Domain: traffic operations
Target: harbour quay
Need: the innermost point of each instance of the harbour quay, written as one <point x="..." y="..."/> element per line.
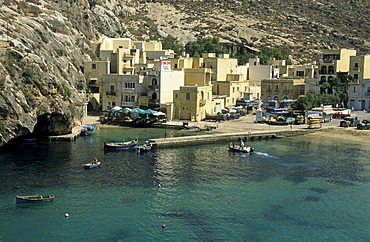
<point x="226" y="137"/>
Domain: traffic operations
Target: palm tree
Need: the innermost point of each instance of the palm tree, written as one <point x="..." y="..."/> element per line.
<point x="324" y="87"/>
<point x="334" y="83"/>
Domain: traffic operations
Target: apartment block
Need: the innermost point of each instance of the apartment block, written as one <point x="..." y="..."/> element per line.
<point x="359" y="87"/>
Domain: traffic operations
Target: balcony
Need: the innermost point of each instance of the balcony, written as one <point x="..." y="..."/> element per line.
<point x="153" y="87"/>
<point x="128" y="90"/>
<point x="367" y="93"/>
<point x="328" y="61"/>
<point x="356" y="69"/>
<point x="111" y="93"/>
<point x="202" y="103"/>
<point x="129" y="104"/>
<point x="153" y="103"/>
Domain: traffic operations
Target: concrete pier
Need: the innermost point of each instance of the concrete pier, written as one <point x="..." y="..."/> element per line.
<point x="227" y="137"/>
<point x="76" y="131"/>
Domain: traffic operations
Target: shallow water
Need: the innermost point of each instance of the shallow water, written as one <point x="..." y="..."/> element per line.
<point x="292" y="189"/>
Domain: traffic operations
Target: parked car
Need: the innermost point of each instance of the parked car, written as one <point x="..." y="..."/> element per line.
<point x="216" y="118"/>
<point x="365" y="124"/>
<point x="349" y="122"/>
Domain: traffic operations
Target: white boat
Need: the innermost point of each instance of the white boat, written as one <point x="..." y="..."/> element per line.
<point x="94" y="164"/>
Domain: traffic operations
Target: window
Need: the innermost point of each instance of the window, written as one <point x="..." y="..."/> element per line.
<point x="93" y="66"/>
<point x="176" y="95"/>
<point x="300" y="73"/>
<point x="130" y="99"/>
<point x="233" y="89"/>
<point x="130" y="85"/>
<point x="276" y="88"/>
<point x="111" y="88"/>
<point x="356" y="65"/>
<point x="355" y="76"/>
<point x="154" y="82"/>
<point x="187" y="96"/>
<point x="354" y="89"/>
<point x="114" y="104"/>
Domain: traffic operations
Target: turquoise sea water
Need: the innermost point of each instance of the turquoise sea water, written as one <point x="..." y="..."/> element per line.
<point x="292" y="189"/>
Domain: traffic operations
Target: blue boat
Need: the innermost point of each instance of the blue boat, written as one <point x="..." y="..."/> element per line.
<point x="88" y="129"/>
<point x="124" y="145"/>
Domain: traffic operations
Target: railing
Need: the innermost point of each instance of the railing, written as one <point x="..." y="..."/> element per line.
<point x="129" y="104"/>
<point x="153" y="87"/>
<point x="202" y="103"/>
<point x="367" y="93"/>
<point x="328" y="61"/>
<point x="111" y="93"/>
<point x="128" y="89"/>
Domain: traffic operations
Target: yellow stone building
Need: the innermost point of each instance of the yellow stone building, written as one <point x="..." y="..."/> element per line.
<point x="359" y="88"/>
<point x="281" y="89"/>
<point x="334" y="64"/>
<point x="192" y="102"/>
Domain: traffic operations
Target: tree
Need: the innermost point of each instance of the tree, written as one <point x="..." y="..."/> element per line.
<point x="269" y="53"/>
<point x="316" y="100"/>
<point x="172" y="43"/>
<point x="324" y="88"/>
<point x="334" y="83"/>
<point x="204" y="45"/>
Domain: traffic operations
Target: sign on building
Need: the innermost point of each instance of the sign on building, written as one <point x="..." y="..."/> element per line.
<point x="166" y="66"/>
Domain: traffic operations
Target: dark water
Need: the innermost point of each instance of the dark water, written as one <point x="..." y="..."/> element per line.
<point x="292" y="189"/>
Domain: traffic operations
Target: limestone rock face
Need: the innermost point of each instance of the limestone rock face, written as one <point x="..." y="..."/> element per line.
<point x="42" y="48"/>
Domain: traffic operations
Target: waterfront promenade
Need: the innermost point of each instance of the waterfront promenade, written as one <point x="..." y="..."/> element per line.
<point x="244" y="128"/>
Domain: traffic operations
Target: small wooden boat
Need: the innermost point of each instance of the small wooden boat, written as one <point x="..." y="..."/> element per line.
<point x="125" y="145"/>
<point x="242" y="149"/>
<point x="144" y="148"/>
<point x="34" y="198"/>
<point x="91" y="165"/>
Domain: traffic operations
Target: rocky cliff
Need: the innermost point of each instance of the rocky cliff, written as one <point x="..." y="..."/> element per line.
<point x="43" y="43"/>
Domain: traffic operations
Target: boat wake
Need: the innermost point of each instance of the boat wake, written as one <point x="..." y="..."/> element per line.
<point x="265" y="155"/>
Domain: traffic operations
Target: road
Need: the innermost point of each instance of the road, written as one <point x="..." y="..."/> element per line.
<point x="245" y="123"/>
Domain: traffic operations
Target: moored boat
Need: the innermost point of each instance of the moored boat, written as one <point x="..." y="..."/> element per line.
<point x="124" y="145"/>
<point x="88" y="129"/>
<point x="34" y="198"/>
